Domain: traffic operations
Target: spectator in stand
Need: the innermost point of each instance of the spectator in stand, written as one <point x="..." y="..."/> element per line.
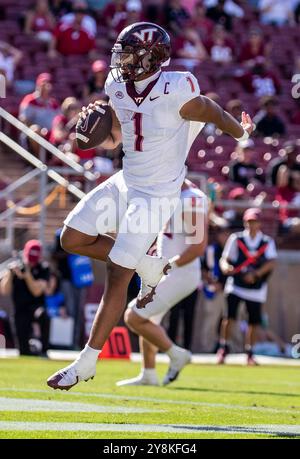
<point x="26" y="281"/>
<point x="286" y="173"/>
<point x="113" y="12"/>
<point x="133" y="14"/>
<point x="288" y="162"/>
<point x="40" y="22"/>
<point x="177" y="16"/>
<point x="95" y="84"/>
<point x="64" y="124"/>
<point x="289" y="193"/>
<point x="254" y="47"/>
<point x="222" y="11"/>
<point x="189" y="49"/>
<point x="9" y="59"/>
<point x="220" y="47"/>
<point x="75" y="35"/>
<point x="243" y="169"/>
<point x="80" y="10"/>
<point x="38" y="109"/>
<point x="276" y="12"/>
<point x="268" y="123"/>
<point x="235" y="108"/>
<point x="248" y="259"/>
<point x="200" y="23"/>
<point x="259" y="80"/>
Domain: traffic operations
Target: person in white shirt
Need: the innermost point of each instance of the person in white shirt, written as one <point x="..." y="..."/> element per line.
<point x="278" y="12"/>
<point x="248" y="259"/>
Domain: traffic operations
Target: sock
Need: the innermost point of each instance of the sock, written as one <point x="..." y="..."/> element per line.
<point x="149" y="373"/>
<point x="88" y="356"/>
<point x="173" y="351"/>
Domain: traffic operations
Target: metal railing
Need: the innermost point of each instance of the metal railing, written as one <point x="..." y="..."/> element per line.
<point x="41" y="171"/>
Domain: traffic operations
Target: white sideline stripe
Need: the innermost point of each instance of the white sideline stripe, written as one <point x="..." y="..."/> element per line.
<point x="32" y="405"/>
<point x="161" y="400"/>
<point x="204" y="359"/>
<point x="282" y="430"/>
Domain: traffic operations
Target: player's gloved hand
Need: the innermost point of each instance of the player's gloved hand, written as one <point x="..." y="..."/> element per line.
<point x="172" y="263"/>
<point x="248" y="126"/>
<point x="90" y="108"/>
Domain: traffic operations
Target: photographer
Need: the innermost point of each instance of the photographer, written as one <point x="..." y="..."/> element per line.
<point x="26" y="281"/>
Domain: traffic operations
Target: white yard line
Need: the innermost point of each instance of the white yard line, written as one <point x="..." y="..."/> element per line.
<point x="32" y="405"/>
<point x="162" y="400"/>
<point x="282" y="430"/>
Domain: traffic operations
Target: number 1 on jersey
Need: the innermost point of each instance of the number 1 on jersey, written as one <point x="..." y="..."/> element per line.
<point x="138" y="142"/>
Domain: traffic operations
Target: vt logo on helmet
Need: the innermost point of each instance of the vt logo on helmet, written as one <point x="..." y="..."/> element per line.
<point x="140" y="50"/>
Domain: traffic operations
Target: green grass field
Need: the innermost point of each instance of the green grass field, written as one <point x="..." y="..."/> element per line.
<point x="205" y="402"/>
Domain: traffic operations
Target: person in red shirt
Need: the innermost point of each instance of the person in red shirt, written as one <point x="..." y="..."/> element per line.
<point x="259" y="80"/>
<point x="64" y="123"/>
<point x="189" y="48"/>
<point x="71" y="39"/>
<point x="63" y="132"/>
<point x="288" y="192"/>
<point x="40" y="21"/>
<point x="219" y="46"/>
<point x="37" y="110"/>
<point x="254" y="47"/>
<point x="113" y="12"/>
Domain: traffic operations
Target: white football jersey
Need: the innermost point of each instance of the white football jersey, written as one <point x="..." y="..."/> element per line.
<point x="156" y="139"/>
<point x="169" y="243"/>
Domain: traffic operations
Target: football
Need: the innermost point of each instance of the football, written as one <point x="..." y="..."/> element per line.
<point x="92" y="130"/>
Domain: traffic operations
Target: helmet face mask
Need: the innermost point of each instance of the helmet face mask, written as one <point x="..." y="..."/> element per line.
<point x="140" y="50"/>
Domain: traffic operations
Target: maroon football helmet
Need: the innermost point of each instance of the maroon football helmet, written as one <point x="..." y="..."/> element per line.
<point x="141" y="49"/>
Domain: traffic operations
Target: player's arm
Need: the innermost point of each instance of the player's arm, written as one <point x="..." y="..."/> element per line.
<point x="194" y="250"/>
<point x="229" y="254"/>
<point x="205" y="110"/>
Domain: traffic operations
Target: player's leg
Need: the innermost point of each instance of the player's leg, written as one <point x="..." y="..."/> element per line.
<point x="148" y="351"/>
<point x="147" y="375"/>
<point x="228" y="323"/>
<point x="97" y="247"/>
<point x="146" y="323"/>
<point x="254" y="313"/>
<point x="108" y="314"/>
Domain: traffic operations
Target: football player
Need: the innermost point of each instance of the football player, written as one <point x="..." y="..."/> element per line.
<point x="181" y="283"/>
<point x="156" y="115"/>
